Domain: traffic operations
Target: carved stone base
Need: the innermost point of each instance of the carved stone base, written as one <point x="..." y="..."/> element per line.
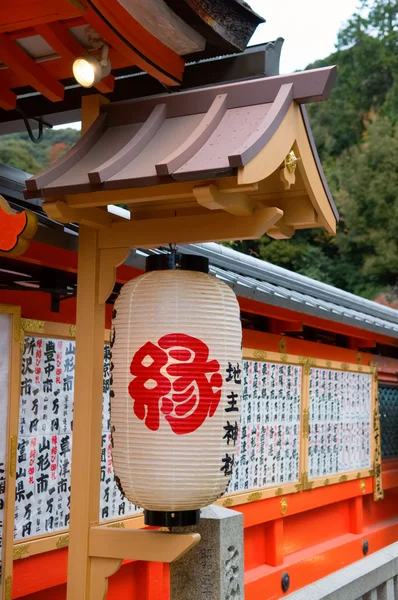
<point x="213" y="570"/>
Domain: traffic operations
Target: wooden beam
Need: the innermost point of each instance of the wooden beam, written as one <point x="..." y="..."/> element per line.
<point x="91" y="106"/>
<point x="156" y="65"/>
<point x="357" y="343"/>
<point x="8" y="99"/>
<point x="31" y="72"/>
<point x="136" y="544"/>
<point x="174" y="191"/>
<point x="279" y="327"/>
<point x="60" y="40"/>
<point x="64" y="44"/>
<point x="92" y="217"/>
<point x="236" y="203"/>
<point x="152" y="233"/>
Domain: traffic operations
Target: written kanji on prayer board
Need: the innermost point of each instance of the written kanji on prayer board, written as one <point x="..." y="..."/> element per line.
<point x="45" y="441"/>
<point x="339" y="422"/>
<point x="269" y="440"/>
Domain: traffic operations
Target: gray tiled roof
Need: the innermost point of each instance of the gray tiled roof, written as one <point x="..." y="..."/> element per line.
<point x="261" y="281"/>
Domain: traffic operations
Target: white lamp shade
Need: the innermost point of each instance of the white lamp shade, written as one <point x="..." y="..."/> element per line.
<point x="176" y="386"/>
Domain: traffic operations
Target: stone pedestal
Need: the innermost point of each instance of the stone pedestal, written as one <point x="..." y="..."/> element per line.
<point x="213" y="570"/>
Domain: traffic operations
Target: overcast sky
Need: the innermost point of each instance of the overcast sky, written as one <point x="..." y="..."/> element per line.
<point x="309" y="27"/>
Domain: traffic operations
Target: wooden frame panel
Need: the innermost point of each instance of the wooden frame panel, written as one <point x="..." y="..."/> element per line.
<point x="60" y="539"/>
<point x="14" y="367"/>
<point x="262" y="493"/>
<point x="355" y="473"/>
<point x="305" y="483"/>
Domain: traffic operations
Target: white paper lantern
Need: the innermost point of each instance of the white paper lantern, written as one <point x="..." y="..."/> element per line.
<point x="176" y="386"/>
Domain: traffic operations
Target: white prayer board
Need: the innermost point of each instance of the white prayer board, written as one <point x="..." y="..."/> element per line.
<point x="340" y="422"/>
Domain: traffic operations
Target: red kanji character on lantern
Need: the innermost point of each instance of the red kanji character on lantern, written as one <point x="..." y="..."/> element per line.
<point x="175" y="378"/>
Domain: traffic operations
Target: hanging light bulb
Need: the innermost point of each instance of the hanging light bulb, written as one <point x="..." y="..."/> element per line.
<point x="88" y="70"/>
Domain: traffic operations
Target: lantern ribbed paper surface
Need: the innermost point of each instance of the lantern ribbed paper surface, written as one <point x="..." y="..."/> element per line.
<point x="176" y="384"/>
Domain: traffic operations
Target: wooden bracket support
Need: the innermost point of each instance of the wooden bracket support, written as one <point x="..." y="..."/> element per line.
<point x="109" y="546"/>
<point x="101" y="570"/>
<point x="138" y="544"/>
<point x="109" y="260"/>
<point x="281" y="231"/>
<point x="96" y="218"/>
<point x="236" y="203"/>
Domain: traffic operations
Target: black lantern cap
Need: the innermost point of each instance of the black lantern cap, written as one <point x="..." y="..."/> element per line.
<point x="179" y="518"/>
<point x="176" y="260"/>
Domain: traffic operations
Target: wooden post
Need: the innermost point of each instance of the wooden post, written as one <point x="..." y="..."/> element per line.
<point x="355" y="507"/>
<point x="87" y="418"/>
<point x="274" y="549"/>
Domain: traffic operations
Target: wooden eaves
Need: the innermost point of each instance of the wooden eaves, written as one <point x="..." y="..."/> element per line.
<point x="226" y="162"/>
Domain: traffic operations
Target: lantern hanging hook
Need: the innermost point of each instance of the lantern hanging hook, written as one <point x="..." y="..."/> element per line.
<point x="173" y="255"/>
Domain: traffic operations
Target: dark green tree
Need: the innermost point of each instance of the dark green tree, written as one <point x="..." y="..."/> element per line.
<point x="40" y="154"/>
<point x="368" y="194"/>
<point x="17" y="153"/>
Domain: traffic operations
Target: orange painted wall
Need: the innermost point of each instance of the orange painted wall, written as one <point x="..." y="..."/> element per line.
<point x="314" y="539"/>
<point x="322" y="531"/>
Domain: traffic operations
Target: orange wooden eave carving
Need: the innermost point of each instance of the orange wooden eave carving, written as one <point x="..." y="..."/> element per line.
<point x="16" y="229"/>
<point x="130" y="45"/>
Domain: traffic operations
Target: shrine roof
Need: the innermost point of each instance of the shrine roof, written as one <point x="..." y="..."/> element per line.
<point x="39" y="41"/>
<point x="270" y="284"/>
<point x="248" y="276"/>
<point x="256" y="61"/>
<point x="200" y="134"/>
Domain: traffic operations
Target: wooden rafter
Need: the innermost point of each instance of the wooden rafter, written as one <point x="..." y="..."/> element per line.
<point x="60" y="40"/>
<point x="266" y="129"/>
<point x="32" y="73"/>
<point x="198" y="137"/>
<point x="137" y="58"/>
<point x="64" y="44"/>
<point x="8" y="99"/>
<point x="26" y="32"/>
<point x="133" y="147"/>
<point x="59" y="68"/>
<point x="278" y="326"/>
<point x="13" y="14"/>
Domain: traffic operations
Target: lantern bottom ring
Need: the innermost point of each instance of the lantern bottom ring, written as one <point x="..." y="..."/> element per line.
<point x="179" y="518"/>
